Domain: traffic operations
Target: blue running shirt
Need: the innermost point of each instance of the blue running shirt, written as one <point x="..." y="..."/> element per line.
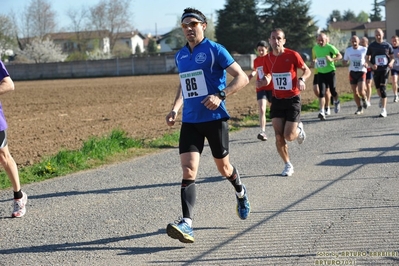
<point x="202" y="73"/>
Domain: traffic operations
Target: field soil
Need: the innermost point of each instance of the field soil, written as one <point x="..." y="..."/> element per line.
<point x="49" y="115"/>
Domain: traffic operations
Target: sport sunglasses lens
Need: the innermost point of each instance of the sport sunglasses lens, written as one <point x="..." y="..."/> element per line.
<point x="191" y="24"/>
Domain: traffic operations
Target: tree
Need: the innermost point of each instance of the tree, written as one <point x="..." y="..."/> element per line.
<point x="238" y="27"/>
<point x="38" y="20"/>
<point x="80" y="26"/>
<point x="210" y="29"/>
<point x="176" y="39"/>
<point x="121" y="50"/>
<point x="338" y="39"/>
<point x="111" y="15"/>
<point x="152" y="46"/>
<point x="137" y="50"/>
<point x="349" y="15"/>
<point x="292" y="16"/>
<point x="7" y="35"/>
<point x="334" y="16"/>
<point x="376" y="15"/>
<point x="43" y="51"/>
<point x="362" y="17"/>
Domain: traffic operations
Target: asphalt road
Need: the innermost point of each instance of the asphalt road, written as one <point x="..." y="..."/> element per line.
<point x="341" y="206"/>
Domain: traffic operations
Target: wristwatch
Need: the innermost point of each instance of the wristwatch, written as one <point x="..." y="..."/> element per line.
<point x="222" y="95"/>
<point x="302" y="79"/>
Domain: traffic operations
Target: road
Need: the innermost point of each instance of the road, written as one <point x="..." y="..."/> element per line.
<point x="341" y="205"/>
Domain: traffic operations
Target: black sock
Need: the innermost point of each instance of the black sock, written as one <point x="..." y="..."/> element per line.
<point x="188" y="194"/>
<point x="18" y="194"/>
<point x="235" y="180"/>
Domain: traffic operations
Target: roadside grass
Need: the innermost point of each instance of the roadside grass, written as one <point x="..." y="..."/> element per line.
<point x="116" y="147"/>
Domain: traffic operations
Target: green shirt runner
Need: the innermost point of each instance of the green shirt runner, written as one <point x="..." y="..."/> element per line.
<point x="322" y="64"/>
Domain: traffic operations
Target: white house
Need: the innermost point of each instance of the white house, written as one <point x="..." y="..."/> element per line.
<point x="132" y="39"/>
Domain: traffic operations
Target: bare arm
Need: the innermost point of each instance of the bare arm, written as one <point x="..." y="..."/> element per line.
<point x="6" y="85"/>
<point x="372" y="66"/>
<point x="240" y="80"/>
<point x="178" y="102"/>
<point x="306" y="72"/>
<point x="391" y="60"/>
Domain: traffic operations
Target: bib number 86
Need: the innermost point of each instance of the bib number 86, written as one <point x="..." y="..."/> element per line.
<point x="191" y="86"/>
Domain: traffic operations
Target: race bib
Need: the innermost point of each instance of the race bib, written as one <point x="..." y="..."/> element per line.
<point x="282" y="81"/>
<point x="356" y="64"/>
<point x="259" y="69"/>
<point x="193" y="84"/>
<point x="381" y="60"/>
<point x="322" y="61"/>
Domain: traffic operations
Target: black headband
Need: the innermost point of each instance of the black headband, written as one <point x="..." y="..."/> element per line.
<point x="192" y="15"/>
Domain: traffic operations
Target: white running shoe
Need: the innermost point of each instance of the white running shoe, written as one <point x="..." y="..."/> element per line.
<point x="288" y="170"/>
<point x="383" y="113"/>
<point x="368" y="103"/>
<point x="359" y="111"/>
<point x="322" y="116"/>
<point x="262" y="136"/>
<point x="302" y="135"/>
<point x="20" y="206"/>
<point x="327" y="111"/>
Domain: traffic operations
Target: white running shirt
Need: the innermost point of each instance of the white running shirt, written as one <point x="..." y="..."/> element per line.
<point x="356" y="58"/>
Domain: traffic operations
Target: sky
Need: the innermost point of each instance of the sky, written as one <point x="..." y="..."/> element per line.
<point x="160" y="16"/>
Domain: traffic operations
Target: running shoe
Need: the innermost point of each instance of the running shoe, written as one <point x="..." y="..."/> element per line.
<point x="302" y="135"/>
<point x="359" y="111"/>
<point x="364" y="102"/>
<point x="368" y="103"/>
<point x="327" y="111"/>
<point x="20" y="206"/>
<point x="383" y="113"/>
<point x="288" y="170"/>
<point x="395" y="98"/>
<point x="180" y="230"/>
<point x="262" y="136"/>
<point x="321" y="116"/>
<point x="337" y="106"/>
<point x="243" y="206"/>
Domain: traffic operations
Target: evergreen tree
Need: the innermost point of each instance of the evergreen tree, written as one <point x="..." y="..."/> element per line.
<point x="376" y="15"/>
<point x="238" y="27"/>
<point x="349" y="15"/>
<point x="335" y="16"/>
<point x="292" y="17"/>
<point x="152" y="46"/>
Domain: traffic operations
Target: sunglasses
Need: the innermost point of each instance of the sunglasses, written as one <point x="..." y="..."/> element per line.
<point x="191" y="24"/>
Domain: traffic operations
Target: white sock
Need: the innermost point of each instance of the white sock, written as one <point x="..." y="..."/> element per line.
<point x="240" y="194"/>
<point x="188" y="221"/>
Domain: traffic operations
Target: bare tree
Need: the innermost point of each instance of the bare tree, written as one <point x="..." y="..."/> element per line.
<point x="80" y="27"/>
<point x="7" y="34"/>
<point x="38" y="19"/>
<point x="113" y="16"/>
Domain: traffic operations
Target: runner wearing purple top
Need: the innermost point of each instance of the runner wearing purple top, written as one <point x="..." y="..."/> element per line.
<point x="6" y="160"/>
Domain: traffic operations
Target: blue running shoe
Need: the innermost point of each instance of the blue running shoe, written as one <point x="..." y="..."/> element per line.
<point x="243" y="206"/>
<point x="180" y="230"/>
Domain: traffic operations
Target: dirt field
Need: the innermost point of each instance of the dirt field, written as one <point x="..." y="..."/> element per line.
<point x="46" y="116"/>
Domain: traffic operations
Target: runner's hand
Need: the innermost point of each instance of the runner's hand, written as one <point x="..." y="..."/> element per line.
<point x="211" y="102"/>
<point x="171" y="118"/>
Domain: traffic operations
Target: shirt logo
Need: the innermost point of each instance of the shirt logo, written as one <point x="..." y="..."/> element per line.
<point x="200" y="58"/>
<point x="183" y="56"/>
